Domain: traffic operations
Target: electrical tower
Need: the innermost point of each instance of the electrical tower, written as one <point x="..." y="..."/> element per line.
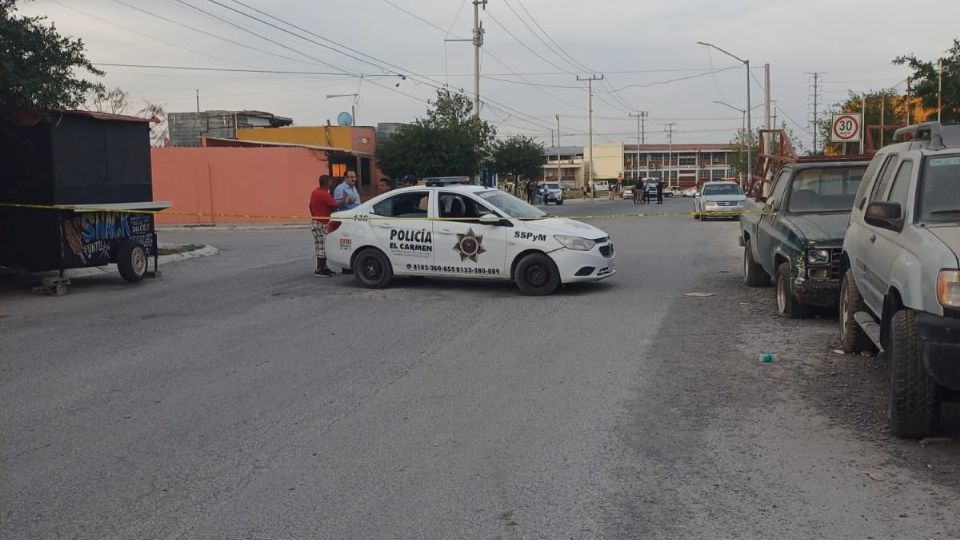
<point x="816" y="96"/>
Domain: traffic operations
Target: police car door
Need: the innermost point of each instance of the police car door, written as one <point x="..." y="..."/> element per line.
<point x="464" y="246"/>
<point x="404" y="232"/>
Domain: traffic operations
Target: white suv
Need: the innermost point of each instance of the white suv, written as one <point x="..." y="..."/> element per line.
<point x="901" y="274"/>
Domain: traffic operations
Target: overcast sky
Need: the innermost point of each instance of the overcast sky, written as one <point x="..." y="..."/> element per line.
<point x="633" y="43"/>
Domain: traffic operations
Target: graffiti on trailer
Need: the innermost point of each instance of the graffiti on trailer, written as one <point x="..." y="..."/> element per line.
<point x="94" y="236"/>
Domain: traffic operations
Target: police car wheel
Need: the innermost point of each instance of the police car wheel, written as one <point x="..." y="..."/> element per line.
<point x="536" y="275"/>
<point x="372" y="269"/>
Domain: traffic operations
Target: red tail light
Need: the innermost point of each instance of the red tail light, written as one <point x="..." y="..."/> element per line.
<point x="333" y="225"/>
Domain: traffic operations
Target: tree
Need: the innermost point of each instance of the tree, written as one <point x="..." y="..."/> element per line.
<point x="455" y="111"/>
<point x="113" y="101"/>
<point x="423" y="150"/>
<point x="894" y="108"/>
<point x="738" y="157"/>
<point x="925" y="80"/>
<point x="159" y="128"/>
<point x="519" y="156"/>
<point x="38" y="66"/>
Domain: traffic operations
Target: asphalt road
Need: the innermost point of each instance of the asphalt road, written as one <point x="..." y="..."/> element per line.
<point x="240" y="397"/>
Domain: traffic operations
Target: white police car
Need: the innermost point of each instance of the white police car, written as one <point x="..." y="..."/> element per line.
<point x="465" y="231"/>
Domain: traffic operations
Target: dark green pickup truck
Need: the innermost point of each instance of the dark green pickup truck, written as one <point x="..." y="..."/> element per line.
<point x="796" y="235"/>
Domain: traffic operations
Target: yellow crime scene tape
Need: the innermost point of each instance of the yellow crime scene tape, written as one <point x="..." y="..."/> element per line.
<point x="364" y="217"/>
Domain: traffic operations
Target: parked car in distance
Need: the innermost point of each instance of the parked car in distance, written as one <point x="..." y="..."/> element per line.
<point x="671" y="191"/>
<point x="627" y="192"/>
<point x="901" y="272"/>
<point x="795" y="237"/>
<point x="718" y="199"/>
<point x="689" y="192"/>
<point x="552" y="192"/>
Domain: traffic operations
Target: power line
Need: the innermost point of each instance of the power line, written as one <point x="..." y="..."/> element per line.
<point x="436" y="84"/>
<point x="524" y="45"/>
<point x="204" y="32"/>
<point x="136" y="32"/>
<point x="237" y="70"/>
<point x="678" y="79"/>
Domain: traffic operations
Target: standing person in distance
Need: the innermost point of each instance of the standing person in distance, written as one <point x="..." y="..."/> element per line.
<point x="346" y="192"/>
<point x="638" y="190"/>
<point x="659" y="191"/>
<point x="322" y="204"/>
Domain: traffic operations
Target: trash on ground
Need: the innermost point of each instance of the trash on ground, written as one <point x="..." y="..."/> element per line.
<point x="699" y="294"/>
<point x="838" y="351"/>
<point x="935" y="440"/>
<point x="767" y="357"/>
<point x="878" y="476"/>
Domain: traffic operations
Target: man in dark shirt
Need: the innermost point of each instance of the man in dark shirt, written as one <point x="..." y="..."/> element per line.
<point x="322" y="204"/>
<point x="638" y="191"/>
<point x="659" y="192"/>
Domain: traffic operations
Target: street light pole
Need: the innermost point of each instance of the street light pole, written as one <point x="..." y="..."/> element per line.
<point x="749" y="108"/>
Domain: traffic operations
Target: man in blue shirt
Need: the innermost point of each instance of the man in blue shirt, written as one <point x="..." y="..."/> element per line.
<point x="346" y="192"/>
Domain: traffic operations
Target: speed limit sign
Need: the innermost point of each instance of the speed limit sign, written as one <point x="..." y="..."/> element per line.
<point x="847" y="127"/>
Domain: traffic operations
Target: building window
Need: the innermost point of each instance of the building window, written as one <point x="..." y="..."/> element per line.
<point x="688" y="161"/>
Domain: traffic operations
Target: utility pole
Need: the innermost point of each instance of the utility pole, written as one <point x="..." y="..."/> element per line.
<point x="766" y="96"/>
<point x="749" y="108"/>
<point x="198" y="101"/>
<point x="908" y="101"/>
<point x="668" y="127"/>
<point x="641" y="118"/>
<point x="939" y="88"/>
<point x="559" y="176"/>
<point x="883" y="105"/>
<point x="590" y="80"/>
<point x="863" y="119"/>
<point x="477" y="43"/>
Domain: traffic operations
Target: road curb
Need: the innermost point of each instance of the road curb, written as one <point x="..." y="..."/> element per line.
<point x="205" y="251"/>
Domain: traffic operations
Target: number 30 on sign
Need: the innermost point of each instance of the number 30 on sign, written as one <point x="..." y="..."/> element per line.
<point x="847" y="127"/>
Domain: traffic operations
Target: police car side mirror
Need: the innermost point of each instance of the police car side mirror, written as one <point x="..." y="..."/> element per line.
<point x="490" y="219"/>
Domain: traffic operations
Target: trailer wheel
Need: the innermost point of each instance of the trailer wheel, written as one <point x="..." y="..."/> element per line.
<point x="132" y="261"/>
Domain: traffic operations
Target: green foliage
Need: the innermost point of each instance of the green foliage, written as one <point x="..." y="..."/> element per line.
<point x="450" y="141"/>
<point x="38" y="66"/>
<point x="454" y="111"/>
<point x="738" y="157"/>
<point x="424" y="150"/>
<point x="519" y="156"/>
<point x="893" y="114"/>
<point x="925" y="81"/>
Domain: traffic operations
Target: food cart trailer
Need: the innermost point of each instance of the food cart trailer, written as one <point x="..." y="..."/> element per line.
<point x="76" y="192"/>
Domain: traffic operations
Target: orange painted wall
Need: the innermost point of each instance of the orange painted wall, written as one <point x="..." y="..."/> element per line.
<point x="274" y="182"/>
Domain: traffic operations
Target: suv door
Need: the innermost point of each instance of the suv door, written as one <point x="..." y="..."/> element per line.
<point x="861" y="239"/>
<point x="402" y="226"/>
<point x="466" y="247"/>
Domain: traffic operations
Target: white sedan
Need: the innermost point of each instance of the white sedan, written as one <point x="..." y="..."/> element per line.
<point x="465" y="231"/>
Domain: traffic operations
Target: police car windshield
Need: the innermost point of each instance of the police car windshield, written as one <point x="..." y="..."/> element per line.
<point x="940" y="190"/>
<point x="510" y="205"/>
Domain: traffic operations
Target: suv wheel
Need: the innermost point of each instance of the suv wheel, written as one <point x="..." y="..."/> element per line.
<point x="787" y="304"/>
<point x="914" y="396"/>
<point x="852" y="337"/>
<point x="753" y="274"/>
